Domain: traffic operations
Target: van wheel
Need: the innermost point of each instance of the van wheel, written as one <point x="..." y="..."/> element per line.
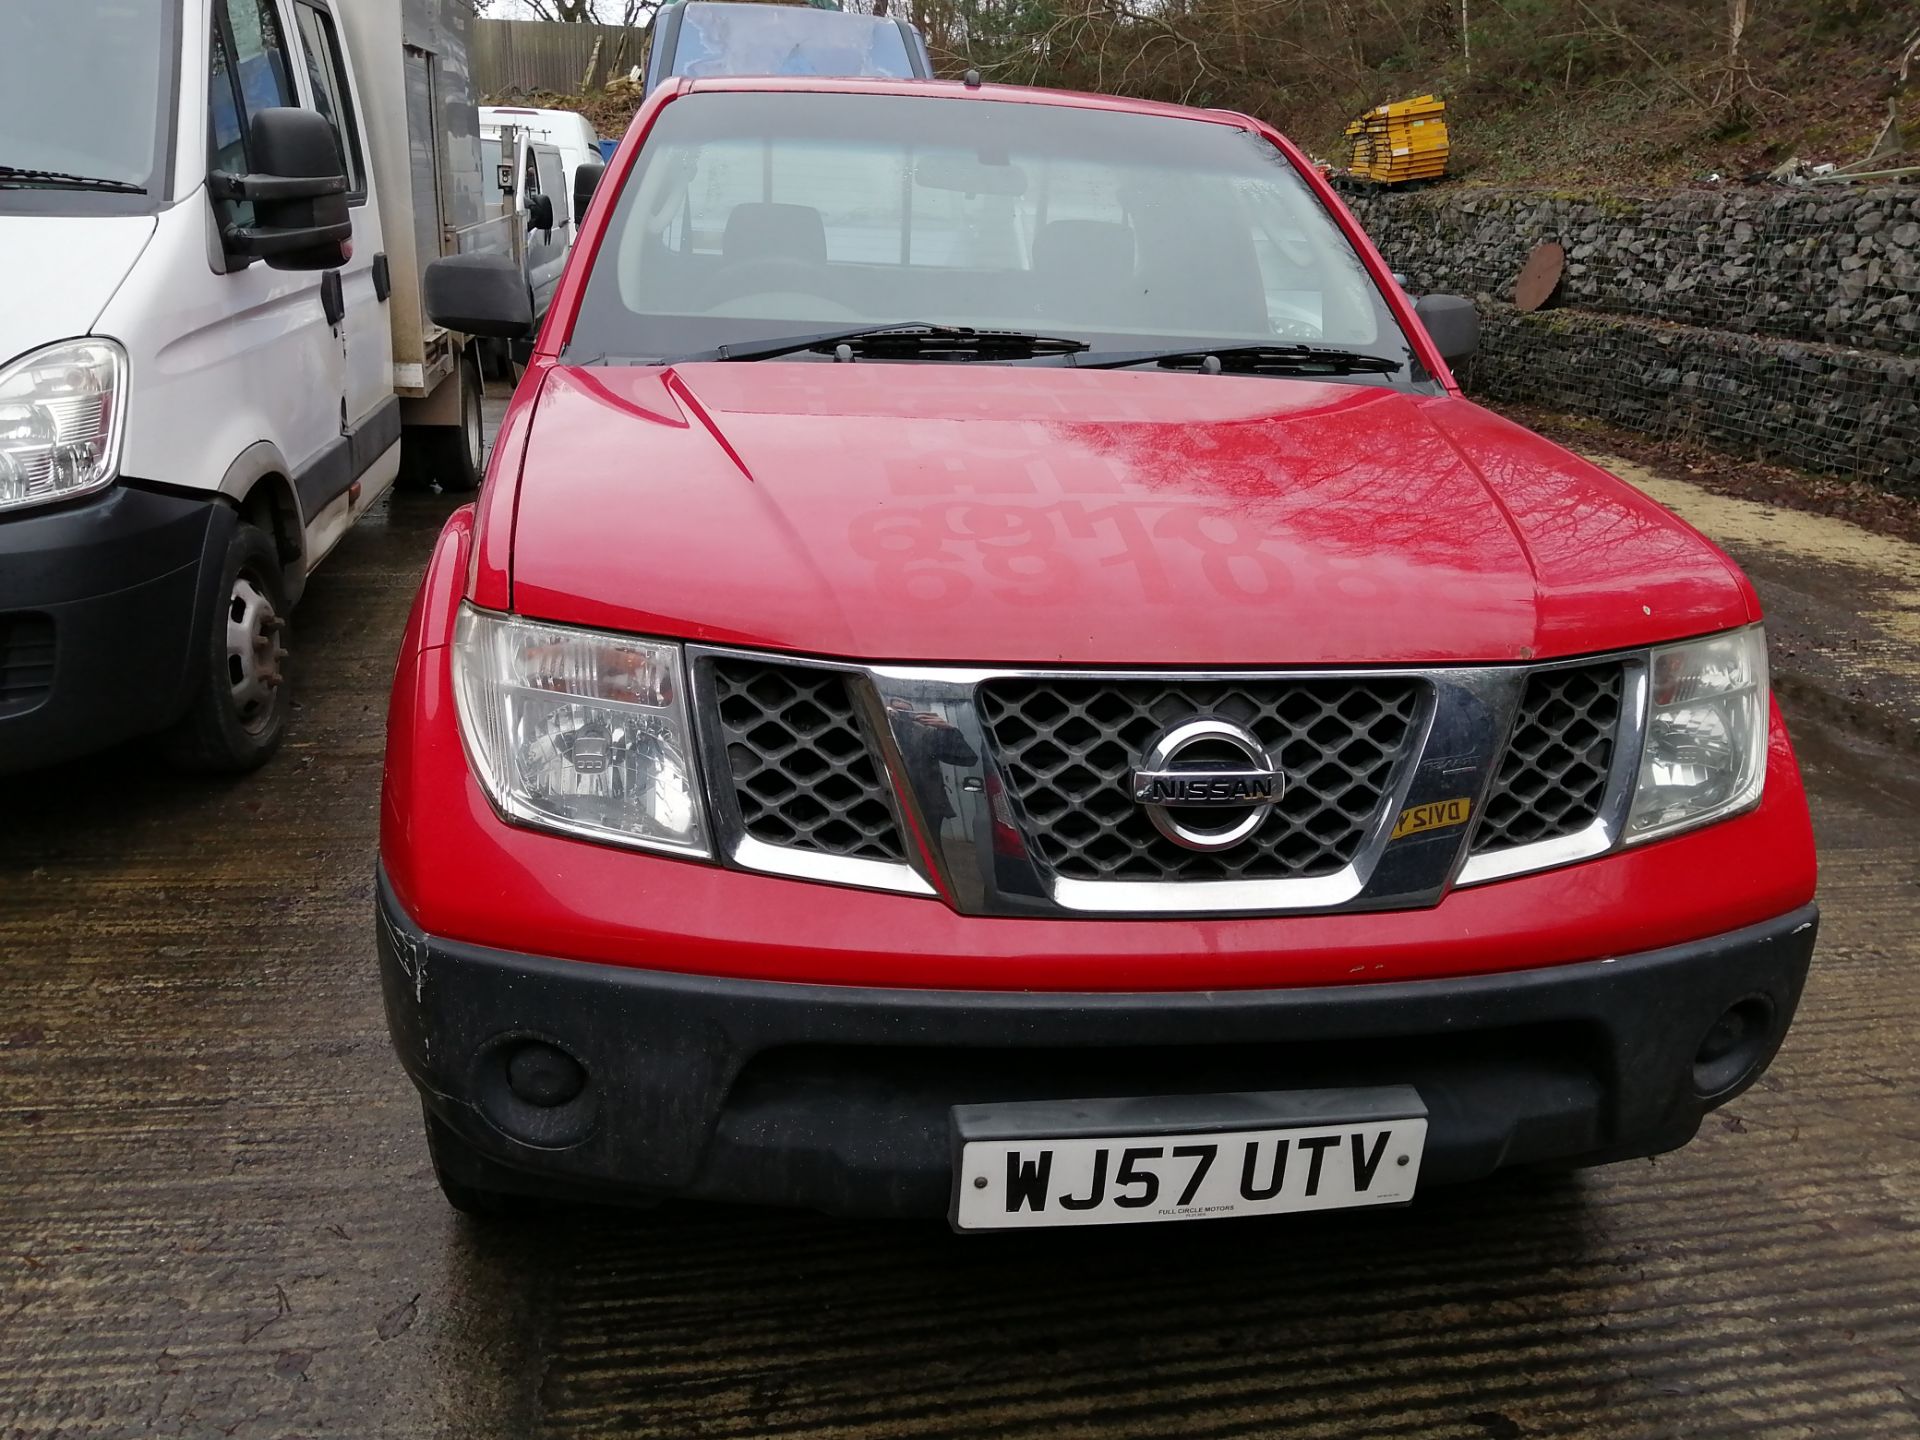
<point x="452" y="456"/>
<point x="242" y="700"/>
<point x="453" y="1159"/>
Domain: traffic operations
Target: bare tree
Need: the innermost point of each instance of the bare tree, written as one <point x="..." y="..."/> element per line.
<point x="1736" y="76"/>
<point x="566" y="12"/>
<point x="586" y="12"/>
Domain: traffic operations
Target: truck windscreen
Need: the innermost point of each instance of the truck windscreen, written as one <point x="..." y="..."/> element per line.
<point x="752" y="215"/>
<point x="84" y="87"/>
<point x="791" y="40"/>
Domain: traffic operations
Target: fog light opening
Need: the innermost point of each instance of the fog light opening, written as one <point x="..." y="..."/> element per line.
<point x="534" y="1091"/>
<point x="1733" y="1046"/>
<point x="544" y="1075"/>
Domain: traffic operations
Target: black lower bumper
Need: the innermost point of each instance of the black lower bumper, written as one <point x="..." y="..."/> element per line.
<point x="99" y="604"/>
<point x="839" y="1099"/>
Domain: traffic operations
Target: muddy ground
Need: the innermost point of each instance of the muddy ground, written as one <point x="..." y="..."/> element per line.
<point x="217" y="1216"/>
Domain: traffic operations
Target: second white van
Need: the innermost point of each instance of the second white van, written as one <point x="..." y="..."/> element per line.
<point x="532" y="158"/>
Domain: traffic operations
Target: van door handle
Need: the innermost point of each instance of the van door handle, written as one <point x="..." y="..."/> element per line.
<point x="333" y="298"/>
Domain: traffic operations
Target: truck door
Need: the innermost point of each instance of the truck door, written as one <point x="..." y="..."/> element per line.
<point x="265" y="341"/>
<point x="546" y="249"/>
<point x="372" y="411"/>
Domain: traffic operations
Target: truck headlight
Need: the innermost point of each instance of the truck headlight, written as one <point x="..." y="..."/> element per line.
<point x="62" y="412"/>
<point x="580" y="731"/>
<point x="1705" y="754"/>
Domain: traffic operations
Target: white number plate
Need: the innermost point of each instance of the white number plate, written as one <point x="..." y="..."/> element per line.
<point x="1012" y="1183"/>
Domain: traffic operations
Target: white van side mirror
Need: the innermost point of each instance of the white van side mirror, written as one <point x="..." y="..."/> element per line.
<point x="586" y="180"/>
<point x="299" y="194"/>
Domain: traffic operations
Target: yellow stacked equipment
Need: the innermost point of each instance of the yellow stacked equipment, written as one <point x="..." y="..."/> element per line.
<point x="1401" y="141"/>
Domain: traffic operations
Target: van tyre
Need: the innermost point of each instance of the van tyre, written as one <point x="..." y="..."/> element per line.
<point x="450" y="456"/>
<point x="241" y="702"/>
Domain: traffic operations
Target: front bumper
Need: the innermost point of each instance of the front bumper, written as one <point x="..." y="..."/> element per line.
<point x="837" y="1098"/>
<point x="99" y="602"/>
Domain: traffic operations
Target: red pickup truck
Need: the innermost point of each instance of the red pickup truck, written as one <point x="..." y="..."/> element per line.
<point x="994" y="674"/>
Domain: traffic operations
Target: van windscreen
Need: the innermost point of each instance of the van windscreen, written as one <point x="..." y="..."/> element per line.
<point x="115" y="53"/>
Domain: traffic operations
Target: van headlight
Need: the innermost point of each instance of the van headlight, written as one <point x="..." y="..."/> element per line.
<point x="1705" y="753"/>
<point x="579" y="731"/>
<point x="62" y="420"/>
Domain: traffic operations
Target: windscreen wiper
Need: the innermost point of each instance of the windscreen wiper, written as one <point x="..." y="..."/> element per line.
<point x="903" y="340"/>
<point x="22" y="175"/>
<point x="1246" y="360"/>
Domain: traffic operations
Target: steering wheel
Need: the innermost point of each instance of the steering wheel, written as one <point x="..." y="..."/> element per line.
<point x="785" y="305"/>
<point x="769" y="275"/>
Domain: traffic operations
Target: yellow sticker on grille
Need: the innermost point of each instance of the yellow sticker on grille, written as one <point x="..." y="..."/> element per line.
<point x="1437" y="815"/>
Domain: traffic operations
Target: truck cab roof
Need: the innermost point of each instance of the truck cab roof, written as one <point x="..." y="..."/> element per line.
<point x="707" y="38"/>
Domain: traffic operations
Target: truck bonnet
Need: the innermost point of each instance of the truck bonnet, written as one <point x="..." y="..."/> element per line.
<point x="1049" y="516"/>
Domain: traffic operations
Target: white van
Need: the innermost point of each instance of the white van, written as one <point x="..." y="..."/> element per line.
<point x="214" y="215"/>
<point x="570" y="133"/>
<point x="534" y="157"/>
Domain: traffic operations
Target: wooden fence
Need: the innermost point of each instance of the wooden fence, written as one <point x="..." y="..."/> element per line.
<point x="520" y="56"/>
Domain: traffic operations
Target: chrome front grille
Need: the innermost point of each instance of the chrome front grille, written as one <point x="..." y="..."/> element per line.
<point x="802" y="762"/>
<point x="1012" y="792"/>
<point x="1067" y="748"/>
<point x="1553" y="777"/>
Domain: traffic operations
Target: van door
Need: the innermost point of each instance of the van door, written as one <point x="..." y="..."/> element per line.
<point x="552" y="165"/>
<point x="268" y="348"/>
<point x="372" y="414"/>
<point x="546" y="250"/>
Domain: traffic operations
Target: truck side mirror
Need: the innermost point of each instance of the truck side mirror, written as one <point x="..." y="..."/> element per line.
<point x="298" y="190"/>
<point x="1453" y="323"/>
<point x="540" y="213"/>
<point x="586" y="180"/>
<point x="479" y="295"/>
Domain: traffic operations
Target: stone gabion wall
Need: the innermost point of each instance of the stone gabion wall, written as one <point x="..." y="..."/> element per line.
<point x="1781" y="323"/>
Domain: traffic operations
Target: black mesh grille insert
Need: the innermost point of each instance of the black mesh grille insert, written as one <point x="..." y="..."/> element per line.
<point x="803" y="767"/>
<point x="26" y="662"/>
<point x="1068" y="748"/>
<point x="1553" y="777"/>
